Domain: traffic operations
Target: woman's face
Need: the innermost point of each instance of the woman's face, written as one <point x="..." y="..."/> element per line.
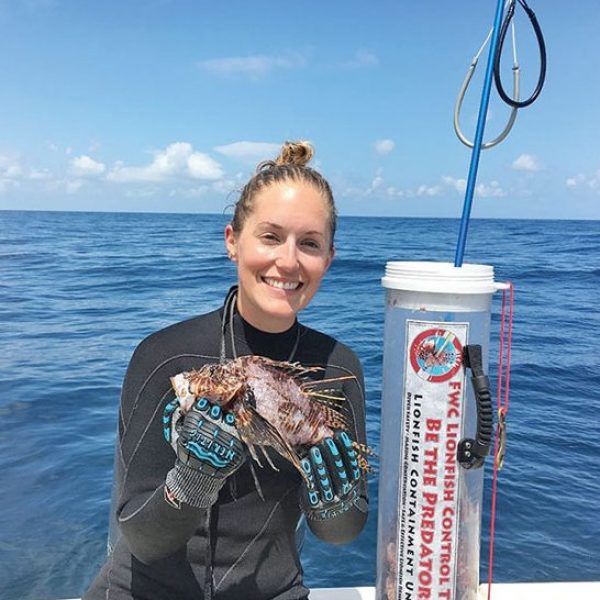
<point x="282" y="253"/>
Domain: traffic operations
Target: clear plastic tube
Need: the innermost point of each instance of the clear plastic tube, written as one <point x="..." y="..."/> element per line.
<point x="429" y="515"/>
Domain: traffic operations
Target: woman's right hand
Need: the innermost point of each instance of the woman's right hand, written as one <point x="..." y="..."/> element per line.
<point x="208" y="440"/>
<point x="208" y="451"/>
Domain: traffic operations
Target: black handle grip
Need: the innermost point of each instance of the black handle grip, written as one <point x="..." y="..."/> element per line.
<point x="471" y="452"/>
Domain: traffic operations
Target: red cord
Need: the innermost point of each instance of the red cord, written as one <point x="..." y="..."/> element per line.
<point x="502" y="402"/>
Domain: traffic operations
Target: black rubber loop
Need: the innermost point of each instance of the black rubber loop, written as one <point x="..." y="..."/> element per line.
<point x="471" y="452"/>
<point x="542" y="46"/>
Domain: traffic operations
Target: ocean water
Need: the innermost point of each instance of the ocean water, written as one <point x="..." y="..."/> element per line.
<point x="78" y="291"/>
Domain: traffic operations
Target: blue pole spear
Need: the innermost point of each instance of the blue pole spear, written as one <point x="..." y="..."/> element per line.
<point x="483" y="107"/>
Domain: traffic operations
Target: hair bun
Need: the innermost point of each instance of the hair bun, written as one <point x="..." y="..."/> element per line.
<point x="295" y="153"/>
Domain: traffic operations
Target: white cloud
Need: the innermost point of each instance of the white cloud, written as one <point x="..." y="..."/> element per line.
<point x="376" y="183"/>
<point x="526" y="162"/>
<point x="493" y="190"/>
<point x="227" y="186"/>
<point x="70" y="186"/>
<point x="393" y="191"/>
<point x="177" y="160"/>
<point x="384" y="146"/>
<point x="362" y="59"/>
<point x="483" y="190"/>
<point x="10" y="173"/>
<point x="575" y="181"/>
<point x="249" y="151"/>
<point x="10" y="167"/>
<point x="202" y="166"/>
<point x="40" y="174"/>
<point x="84" y="166"/>
<point x="460" y="185"/>
<point x="257" y="65"/>
<point x="579" y="180"/>
<point x="429" y="190"/>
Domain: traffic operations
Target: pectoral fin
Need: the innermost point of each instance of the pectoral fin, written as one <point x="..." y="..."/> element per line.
<point x="256" y="430"/>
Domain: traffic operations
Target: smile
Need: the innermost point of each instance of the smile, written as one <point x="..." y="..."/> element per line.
<point x="282" y="285"/>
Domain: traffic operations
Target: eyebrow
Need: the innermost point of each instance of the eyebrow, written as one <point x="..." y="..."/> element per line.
<point x="280" y="228"/>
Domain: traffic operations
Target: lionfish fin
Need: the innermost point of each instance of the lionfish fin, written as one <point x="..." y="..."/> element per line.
<point x="364" y="449"/>
<point x="255" y="428"/>
<point x="362" y="452"/>
<point x="334" y="418"/>
<point x="256" y="481"/>
<point x="266" y="455"/>
<point x="293" y="368"/>
<point x="327" y="396"/>
<point x="253" y="454"/>
<point x="315" y="382"/>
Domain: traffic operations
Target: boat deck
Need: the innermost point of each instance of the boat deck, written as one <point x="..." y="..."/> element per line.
<point x="578" y="590"/>
<point x="564" y="590"/>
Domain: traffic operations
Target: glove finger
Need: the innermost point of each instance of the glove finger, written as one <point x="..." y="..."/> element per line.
<point x="203" y="405"/>
<point x="311" y="486"/>
<point x="338" y="469"/>
<point x="215" y="412"/>
<point x="167" y="419"/>
<point x="321" y="470"/>
<point x="349" y="455"/>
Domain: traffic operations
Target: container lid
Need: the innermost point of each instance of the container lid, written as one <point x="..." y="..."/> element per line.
<point x="439" y="277"/>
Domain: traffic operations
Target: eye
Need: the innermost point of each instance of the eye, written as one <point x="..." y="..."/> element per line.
<point x="311" y="244"/>
<point x="269" y="238"/>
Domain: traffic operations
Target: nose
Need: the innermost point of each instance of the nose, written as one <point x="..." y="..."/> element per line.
<point x="287" y="258"/>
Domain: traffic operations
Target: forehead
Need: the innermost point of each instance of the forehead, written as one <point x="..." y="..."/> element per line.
<point x="291" y="203"/>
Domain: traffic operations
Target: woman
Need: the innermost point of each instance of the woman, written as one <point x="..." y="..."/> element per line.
<point x="192" y="528"/>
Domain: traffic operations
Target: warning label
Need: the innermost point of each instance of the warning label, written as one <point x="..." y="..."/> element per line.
<point x="431" y="425"/>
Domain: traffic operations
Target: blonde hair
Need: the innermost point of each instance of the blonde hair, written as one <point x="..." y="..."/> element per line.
<point x="290" y="165"/>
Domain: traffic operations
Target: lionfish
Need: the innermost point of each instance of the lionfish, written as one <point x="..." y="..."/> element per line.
<point x="274" y="402"/>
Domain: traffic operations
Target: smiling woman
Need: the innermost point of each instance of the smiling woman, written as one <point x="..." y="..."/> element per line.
<point x="282" y="253"/>
<point x="196" y="519"/>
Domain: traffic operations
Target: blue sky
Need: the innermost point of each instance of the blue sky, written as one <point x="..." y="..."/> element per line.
<point x="165" y="105"/>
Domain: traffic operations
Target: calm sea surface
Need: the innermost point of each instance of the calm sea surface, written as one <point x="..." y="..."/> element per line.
<point x="78" y="291"/>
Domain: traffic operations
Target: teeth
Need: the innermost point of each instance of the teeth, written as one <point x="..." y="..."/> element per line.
<point x="282" y="285"/>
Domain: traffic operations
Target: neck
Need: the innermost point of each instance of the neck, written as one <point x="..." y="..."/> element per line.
<point x="268" y="325"/>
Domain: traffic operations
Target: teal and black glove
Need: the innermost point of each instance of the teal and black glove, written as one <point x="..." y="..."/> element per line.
<point x="208" y="451"/>
<point x="333" y="477"/>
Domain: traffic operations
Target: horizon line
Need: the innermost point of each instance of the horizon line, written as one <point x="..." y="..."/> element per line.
<point x="344" y="216"/>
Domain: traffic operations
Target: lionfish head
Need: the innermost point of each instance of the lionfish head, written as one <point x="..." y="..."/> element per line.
<point x="217" y="382"/>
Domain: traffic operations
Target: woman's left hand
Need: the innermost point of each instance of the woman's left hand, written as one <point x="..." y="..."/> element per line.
<point x="332" y="476"/>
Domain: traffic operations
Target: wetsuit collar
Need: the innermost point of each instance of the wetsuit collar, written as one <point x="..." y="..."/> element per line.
<point x="279" y="346"/>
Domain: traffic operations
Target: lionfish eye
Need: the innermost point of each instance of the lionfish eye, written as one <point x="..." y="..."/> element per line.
<point x="250" y="398"/>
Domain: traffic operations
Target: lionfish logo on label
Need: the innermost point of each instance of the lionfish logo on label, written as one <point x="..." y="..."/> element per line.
<point x="436" y="355"/>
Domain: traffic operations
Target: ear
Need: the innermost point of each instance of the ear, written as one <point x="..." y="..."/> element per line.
<point x="230" y="242"/>
<point x="330" y="259"/>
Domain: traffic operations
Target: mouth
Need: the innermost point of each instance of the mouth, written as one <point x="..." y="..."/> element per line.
<point x="279" y="284"/>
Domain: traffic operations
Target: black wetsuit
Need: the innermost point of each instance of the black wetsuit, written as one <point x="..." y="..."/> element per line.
<point x="251" y="544"/>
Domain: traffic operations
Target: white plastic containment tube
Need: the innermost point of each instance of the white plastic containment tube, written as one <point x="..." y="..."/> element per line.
<point x="429" y="516"/>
